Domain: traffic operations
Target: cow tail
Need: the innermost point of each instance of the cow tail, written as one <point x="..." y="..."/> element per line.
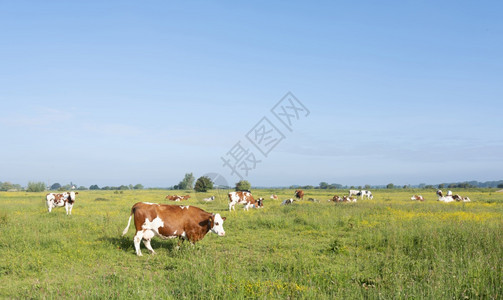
<point x="128" y="222"/>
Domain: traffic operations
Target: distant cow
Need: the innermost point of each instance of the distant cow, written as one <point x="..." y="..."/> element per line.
<point x="242" y="197"/>
<point x="287" y="201"/>
<point x="177" y="198"/>
<point x="460" y="198"/>
<point x="443" y="198"/>
<point x="354" y="193"/>
<point x="299" y="194"/>
<point x="172" y="221"/>
<point x="274" y="197"/>
<point x="348" y="199"/>
<point x="209" y="199"/>
<point x="335" y="198"/>
<point x="58" y="200"/>
<point x="417" y="197"/>
<point x="367" y="194"/>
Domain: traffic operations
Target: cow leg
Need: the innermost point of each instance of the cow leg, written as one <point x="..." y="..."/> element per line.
<point x="70" y="208"/>
<point x="180" y="242"/>
<point x="147" y="237"/>
<point x="49" y="207"/>
<point x="66" y="208"/>
<point x="137" y="239"/>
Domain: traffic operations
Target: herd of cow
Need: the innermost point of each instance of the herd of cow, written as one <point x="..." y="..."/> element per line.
<point x="192" y="223"/>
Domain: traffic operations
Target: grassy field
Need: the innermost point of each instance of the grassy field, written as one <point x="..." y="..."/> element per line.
<point x="388" y="247"/>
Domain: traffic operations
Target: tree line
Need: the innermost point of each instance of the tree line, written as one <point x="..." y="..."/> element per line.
<point x="204" y="183"/>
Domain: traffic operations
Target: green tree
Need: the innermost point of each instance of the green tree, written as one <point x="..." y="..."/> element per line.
<point x="187" y="183"/>
<point x="243" y="185"/>
<point x="367" y="187"/>
<point x="203" y="184"/>
<point x="500" y="186"/>
<point x="94" y="187"/>
<point x="5" y="186"/>
<point x="323" y="185"/>
<point x="55" y="186"/>
<point x="390" y="186"/>
<point x="35" y="187"/>
<point x="138" y="186"/>
<point x="441" y="186"/>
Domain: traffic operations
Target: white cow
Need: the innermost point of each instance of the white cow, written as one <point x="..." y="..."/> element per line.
<point x="58" y="200"/>
<point x="367" y="194"/>
<point x="443" y="198"/>
<point x="354" y="193"/>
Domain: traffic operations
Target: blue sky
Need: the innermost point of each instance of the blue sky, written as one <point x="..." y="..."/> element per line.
<point x="142" y="92"/>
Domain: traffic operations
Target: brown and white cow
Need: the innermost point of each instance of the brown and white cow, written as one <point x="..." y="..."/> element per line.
<point x="172" y="221"/>
<point x="348" y="199"/>
<point x="417" y="197"/>
<point x="242" y="197"/>
<point x="335" y="198"/>
<point x="274" y="197"/>
<point x="58" y="200"/>
<point x="299" y="194"/>
<point x="177" y="198"/>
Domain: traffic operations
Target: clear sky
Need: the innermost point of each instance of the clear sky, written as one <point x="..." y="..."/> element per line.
<point x="127" y="92"/>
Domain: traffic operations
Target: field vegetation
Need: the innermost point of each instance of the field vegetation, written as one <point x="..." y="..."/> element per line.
<point x="388" y="247"/>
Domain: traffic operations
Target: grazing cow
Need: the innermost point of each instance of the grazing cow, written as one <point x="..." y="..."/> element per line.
<point x="58" y="200"/>
<point x="209" y="199"/>
<point x="274" y="197"/>
<point x="287" y="201"/>
<point x="260" y="202"/>
<point x="242" y="197"/>
<point x="367" y="194"/>
<point x="417" y="197"/>
<point x="299" y="194"/>
<point x="171" y="221"/>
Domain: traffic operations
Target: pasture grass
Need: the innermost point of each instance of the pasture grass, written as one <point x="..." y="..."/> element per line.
<point x="388" y="247"/>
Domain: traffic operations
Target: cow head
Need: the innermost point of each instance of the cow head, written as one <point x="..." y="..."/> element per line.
<point x="217" y="224"/>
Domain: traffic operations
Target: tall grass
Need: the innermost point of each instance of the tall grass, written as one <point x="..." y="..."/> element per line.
<point x="389" y="247"/>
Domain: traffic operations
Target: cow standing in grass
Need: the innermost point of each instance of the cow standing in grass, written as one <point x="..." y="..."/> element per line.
<point x="59" y="200"/>
<point x="171" y="221"/>
<point x="299" y="194"/>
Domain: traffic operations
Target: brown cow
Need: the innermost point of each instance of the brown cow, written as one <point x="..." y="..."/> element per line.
<point x="299" y="194"/>
<point x="172" y="221"/>
<point x="417" y="197"/>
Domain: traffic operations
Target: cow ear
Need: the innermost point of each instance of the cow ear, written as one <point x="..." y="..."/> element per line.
<point x="224" y="218"/>
<point x="211" y="219"/>
<point x="76" y="193"/>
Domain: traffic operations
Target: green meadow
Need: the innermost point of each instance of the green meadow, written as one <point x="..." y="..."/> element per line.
<point x="388" y="247"/>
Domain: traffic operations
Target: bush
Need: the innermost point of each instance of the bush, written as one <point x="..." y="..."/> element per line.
<point x="243" y="185"/>
<point x="35" y="187"/>
<point x="203" y="184"/>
